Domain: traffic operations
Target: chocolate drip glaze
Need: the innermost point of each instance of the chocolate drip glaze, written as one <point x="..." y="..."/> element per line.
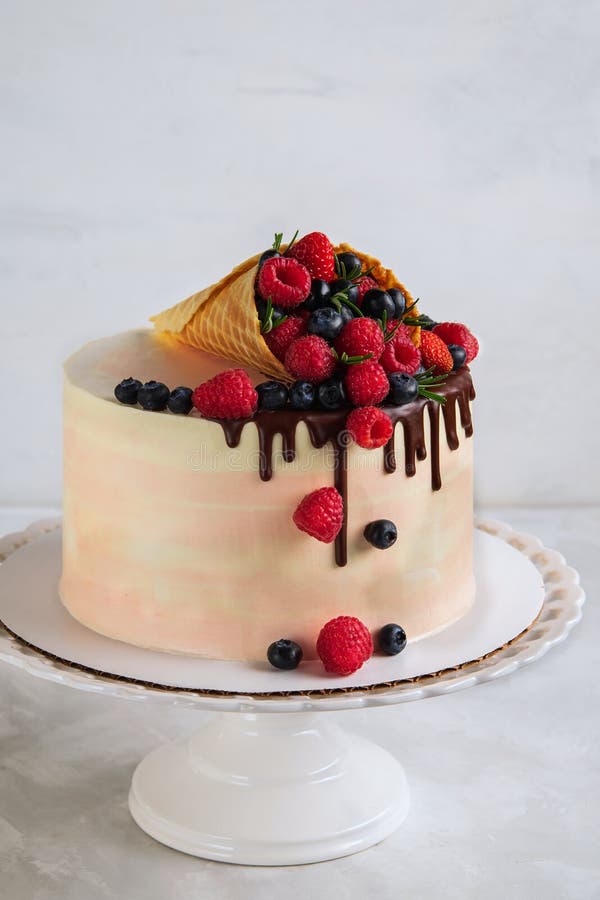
<point x="325" y="427"/>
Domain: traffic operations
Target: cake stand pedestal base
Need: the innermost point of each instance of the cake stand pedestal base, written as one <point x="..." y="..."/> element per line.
<point x="269" y="789"/>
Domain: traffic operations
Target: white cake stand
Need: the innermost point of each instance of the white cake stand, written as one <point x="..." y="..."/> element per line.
<point x="269" y="781"/>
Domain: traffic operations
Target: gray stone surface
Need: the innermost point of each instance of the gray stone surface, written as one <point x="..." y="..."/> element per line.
<point x="504" y="781"/>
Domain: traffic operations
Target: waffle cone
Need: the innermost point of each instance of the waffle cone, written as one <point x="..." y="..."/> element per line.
<point x="222" y="318"/>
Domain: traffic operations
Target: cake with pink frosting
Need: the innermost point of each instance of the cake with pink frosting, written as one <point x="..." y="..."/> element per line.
<point x="280" y="468"/>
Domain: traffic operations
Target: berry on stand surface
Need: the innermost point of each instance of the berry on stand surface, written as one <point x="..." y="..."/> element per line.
<point x="344" y="645"/>
<point x="391" y="639"/>
<point x="284" y="654"/>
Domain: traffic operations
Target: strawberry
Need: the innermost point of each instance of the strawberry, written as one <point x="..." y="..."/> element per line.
<point x="456" y="333"/>
<point x="344" y="644"/>
<point x="435" y="353"/>
<point x="315" y="251"/>
<point x="285" y="282"/>
<point x="320" y="514"/>
<point x="310" y="359"/>
<point x="369" y="426"/>
<point x="229" y="395"/>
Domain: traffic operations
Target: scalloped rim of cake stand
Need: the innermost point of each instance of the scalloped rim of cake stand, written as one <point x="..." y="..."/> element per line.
<point x="561" y="610"/>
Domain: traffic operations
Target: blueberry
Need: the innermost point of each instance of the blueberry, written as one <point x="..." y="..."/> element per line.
<point x="127" y="391"/>
<point x="459" y="355"/>
<point x="399" y="301"/>
<point x="331" y="393"/>
<point x="272" y="395"/>
<point x="350" y="261"/>
<point x="349" y="288"/>
<point x="427" y="323"/>
<point x="319" y="296"/>
<point x="403" y="389"/>
<point x="391" y="639"/>
<point x="284" y="654"/>
<point x="154" y="395"/>
<point x="261" y="308"/>
<point x="268" y="254"/>
<point x="180" y="401"/>
<point x="346" y="313"/>
<point x="376" y="302"/>
<point x="302" y="395"/>
<point x="326" y="323"/>
<point x="381" y="533"/>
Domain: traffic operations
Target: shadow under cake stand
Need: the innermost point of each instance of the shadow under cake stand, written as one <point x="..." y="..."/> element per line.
<point x="270" y="780"/>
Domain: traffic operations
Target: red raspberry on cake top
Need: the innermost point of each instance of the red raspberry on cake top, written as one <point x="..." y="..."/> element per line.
<point x="344" y="645"/>
<point x="457" y="333"/>
<point x="281" y="337"/>
<point x="400" y="354"/>
<point x="361" y="337"/>
<point x="366" y="384"/>
<point x="284" y="281"/>
<point x="229" y="395"/>
<point x="320" y="514"/>
<point x="315" y="251"/>
<point x="370" y="427"/>
<point x="310" y="358"/>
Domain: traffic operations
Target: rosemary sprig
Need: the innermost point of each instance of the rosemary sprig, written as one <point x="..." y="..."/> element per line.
<point x="268" y="323"/>
<point x="429" y="395"/>
<point x="291" y="243"/>
<point x="407" y="310"/>
<point x="342" y="297"/>
<point x="427" y="377"/>
<point x="350" y="360"/>
<point x="388" y="337"/>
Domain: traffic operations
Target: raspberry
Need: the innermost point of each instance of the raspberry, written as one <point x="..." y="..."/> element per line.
<point x="364" y="285"/>
<point x="310" y="359"/>
<point x="316" y="253"/>
<point x="285" y="281"/>
<point x="366" y="384"/>
<point x="435" y="353"/>
<point x="344" y="644"/>
<point x="320" y="514"/>
<point x="229" y="395"/>
<point x="370" y="427"/>
<point x="282" y="336"/>
<point x="455" y="333"/>
<point x="400" y="354"/>
<point x="361" y="337"/>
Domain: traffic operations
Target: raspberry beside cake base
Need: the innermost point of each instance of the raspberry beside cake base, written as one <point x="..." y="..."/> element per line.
<point x="173" y="542"/>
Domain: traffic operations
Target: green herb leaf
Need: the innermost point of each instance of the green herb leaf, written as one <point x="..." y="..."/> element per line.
<point x="429" y="395"/>
<point x="353" y="360"/>
<point x="268" y="323"/>
<point x="388" y="337"/>
<point x="291" y="243"/>
<point x="278" y="239"/>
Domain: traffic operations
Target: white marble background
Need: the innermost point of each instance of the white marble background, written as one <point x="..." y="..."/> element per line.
<point x="146" y="146"/>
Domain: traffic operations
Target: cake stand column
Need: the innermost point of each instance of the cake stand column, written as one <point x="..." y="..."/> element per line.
<point x="269" y="789"/>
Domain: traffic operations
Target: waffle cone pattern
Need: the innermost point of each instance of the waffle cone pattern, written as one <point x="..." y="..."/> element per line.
<point x="222" y="319"/>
